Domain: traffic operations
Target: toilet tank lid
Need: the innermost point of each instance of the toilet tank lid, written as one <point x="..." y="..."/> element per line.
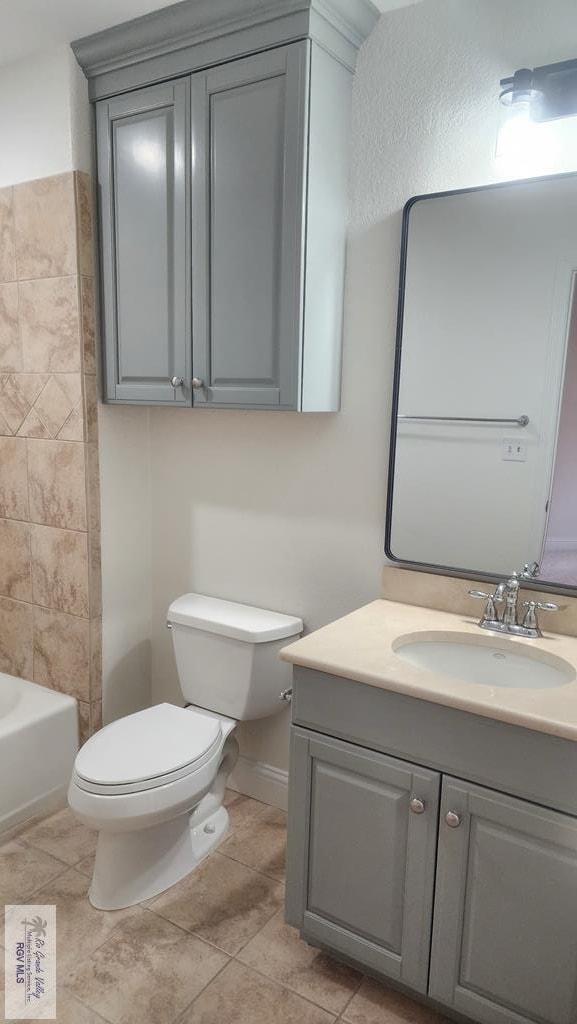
<point x="239" y="621"/>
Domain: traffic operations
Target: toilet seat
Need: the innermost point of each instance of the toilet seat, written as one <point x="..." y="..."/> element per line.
<point x="146" y="750"/>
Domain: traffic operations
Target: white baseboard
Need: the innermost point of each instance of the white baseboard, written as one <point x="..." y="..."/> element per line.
<point x="561" y="544"/>
<point x="261" y="782"/>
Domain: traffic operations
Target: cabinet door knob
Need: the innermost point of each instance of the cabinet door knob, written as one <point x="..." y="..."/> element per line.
<point x="452" y="819"/>
<point x="417" y="805"/>
<point x="177" y="382"/>
<point x="197" y="383"/>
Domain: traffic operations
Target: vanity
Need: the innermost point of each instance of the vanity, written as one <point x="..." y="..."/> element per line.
<point x="433" y="809"/>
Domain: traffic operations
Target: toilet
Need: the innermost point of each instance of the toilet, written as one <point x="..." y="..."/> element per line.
<point x="152" y="784"/>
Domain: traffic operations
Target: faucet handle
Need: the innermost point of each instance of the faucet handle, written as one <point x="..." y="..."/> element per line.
<point x="530" y="571"/>
<point x="490" y="612"/>
<point x="530" y="620"/>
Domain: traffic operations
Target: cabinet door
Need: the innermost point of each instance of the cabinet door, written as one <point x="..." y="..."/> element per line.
<point x="361" y="863"/>
<point x="505" y="929"/>
<point x="249" y="129"/>
<point x="142" y="172"/>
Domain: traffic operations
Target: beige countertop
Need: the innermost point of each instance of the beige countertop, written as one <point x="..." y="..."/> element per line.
<point x="360" y="647"/>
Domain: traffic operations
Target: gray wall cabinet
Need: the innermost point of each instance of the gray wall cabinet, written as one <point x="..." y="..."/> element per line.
<point x="456" y="891"/>
<point x="222" y="183"/>
<point x="142" y="161"/>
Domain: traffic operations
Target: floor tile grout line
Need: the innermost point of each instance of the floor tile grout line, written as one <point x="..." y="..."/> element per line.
<point x="32" y="846"/>
<point x="355" y="993"/>
<point x="203" y="989"/>
<point x="105" y="1020"/>
<point x="285" y="984"/>
<point x="202" y="937"/>
<point x="287" y="988"/>
<point x="259" y="871"/>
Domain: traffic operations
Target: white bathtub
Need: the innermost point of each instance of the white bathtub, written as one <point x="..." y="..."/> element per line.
<point x="38" y="744"/>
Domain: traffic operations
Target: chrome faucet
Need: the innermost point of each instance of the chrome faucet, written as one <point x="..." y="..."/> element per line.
<point x="507" y="593"/>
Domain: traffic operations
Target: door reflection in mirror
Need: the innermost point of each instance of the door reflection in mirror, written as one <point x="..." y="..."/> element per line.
<point x="484" y="433"/>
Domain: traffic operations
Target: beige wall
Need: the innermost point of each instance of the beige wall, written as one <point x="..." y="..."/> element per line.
<point x="50" y="599"/>
<point x="288" y="511"/>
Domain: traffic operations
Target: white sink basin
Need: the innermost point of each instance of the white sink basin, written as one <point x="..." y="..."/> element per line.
<point x="485" y="660"/>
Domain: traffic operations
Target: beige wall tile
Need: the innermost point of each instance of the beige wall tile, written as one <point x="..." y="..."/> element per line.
<point x="16" y="638"/>
<point x="13" y="406"/>
<point x="84" y="223"/>
<point x="83" y="722"/>
<point x="73" y="428"/>
<point x="10" y="348"/>
<point x="45" y="227"/>
<point x="92" y="486"/>
<point x="49" y="325"/>
<point x="13" y="478"/>
<point x="95" y="659"/>
<point x="7" y="247"/>
<point x="94" y="574"/>
<point x="60" y="570"/>
<point x="15" y="560"/>
<point x="95" y="717"/>
<point x="58" y="400"/>
<point x="62" y="652"/>
<point x="90" y="406"/>
<point x="88" y="324"/>
<point x="57" y="484"/>
<point x="33" y="426"/>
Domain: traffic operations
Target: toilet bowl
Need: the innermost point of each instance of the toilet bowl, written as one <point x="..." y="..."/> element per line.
<point x="152" y="784"/>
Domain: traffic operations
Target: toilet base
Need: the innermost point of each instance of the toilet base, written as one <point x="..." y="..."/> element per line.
<point x="131" y="867"/>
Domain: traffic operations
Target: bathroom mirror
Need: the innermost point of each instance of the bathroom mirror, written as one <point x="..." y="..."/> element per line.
<point x="483" y="462"/>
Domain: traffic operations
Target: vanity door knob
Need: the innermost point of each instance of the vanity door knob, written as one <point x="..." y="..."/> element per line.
<point x="417" y="805"/>
<point x="452" y="819"/>
<point x="197" y="383"/>
<point x="177" y="382"/>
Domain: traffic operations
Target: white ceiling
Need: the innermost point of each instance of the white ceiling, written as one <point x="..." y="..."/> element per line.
<point x="28" y="26"/>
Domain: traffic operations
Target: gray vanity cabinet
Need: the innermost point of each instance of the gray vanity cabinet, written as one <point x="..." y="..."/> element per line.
<point x="249" y="130"/>
<point x="471" y="903"/>
<point x="361" y="861"/>
<point x="505" y="937"/>
<point x="143" y="203"/>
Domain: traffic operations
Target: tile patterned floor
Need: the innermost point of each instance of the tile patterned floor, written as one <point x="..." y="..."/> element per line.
<point x="214" y="949"/>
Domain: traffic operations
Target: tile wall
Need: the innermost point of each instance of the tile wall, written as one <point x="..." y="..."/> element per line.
<point x="50" y="592"/>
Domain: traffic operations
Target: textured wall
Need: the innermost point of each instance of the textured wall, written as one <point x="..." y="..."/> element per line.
<point x="50" y="603"/>
<point x="287" y="511"/>
<point x="44" y="116"/>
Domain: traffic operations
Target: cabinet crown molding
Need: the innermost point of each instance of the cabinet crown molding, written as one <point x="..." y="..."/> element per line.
<point x="191" y="23"/>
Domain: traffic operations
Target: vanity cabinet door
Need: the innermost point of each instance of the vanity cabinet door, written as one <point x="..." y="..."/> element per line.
<point x="505" y="927"/>
<point x="142" y="172"/>
<point x="361" y="862"/>
<point x="249" y="129"/>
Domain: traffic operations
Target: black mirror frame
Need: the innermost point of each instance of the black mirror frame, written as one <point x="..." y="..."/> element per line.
<point x="444" y="570"/>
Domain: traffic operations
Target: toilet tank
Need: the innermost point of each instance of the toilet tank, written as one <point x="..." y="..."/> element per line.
<point x="227" y="655"/>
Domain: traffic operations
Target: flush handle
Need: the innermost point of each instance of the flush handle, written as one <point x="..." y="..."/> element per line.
<point x="286" y="696"/>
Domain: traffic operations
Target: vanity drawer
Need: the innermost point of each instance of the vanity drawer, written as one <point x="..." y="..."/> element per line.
<point x="533" y="765"/>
